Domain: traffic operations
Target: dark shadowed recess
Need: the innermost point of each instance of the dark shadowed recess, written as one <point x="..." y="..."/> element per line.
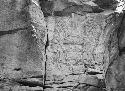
<point x="78" y="9"/>
<point x="47" y="43"/>
<point x="93" y="73"/>
<point x="29" y="83"/>
<point x="47" y="8"/>
<point x="14" y="30"/>
<point x="106" y="4"/>
<point x="25" y="82"/>
<point x="121" y="36"/>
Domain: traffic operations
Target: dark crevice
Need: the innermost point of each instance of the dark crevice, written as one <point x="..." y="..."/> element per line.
<point x="121" y="51"/>
<point x="45" y="77"/>
<point x="29" y="83"/>
<point x="119" y="35"/>
<point x="78" y="9"/>
<point x="93" y="73"/>
<point x="64" y="86"/>
<point x="57" y="82"/>
<point x="47" y="43"/>
<point x="13" y="30"/>
<point x="39" y="76"/>
<point x="17" y="69"/>
<point x="86" y="84"/>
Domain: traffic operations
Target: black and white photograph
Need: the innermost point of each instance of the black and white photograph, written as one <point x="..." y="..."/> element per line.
<point x="62" y="45"/>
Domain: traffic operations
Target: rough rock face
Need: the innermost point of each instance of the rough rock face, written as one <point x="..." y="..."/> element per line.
<point x="78" y="46"/>
<point x="61" y="53"/>
<point x="21" y="58"/>
<point x="115" y="73"/>
<point x="122" y="34"/>
<point x="12" y="17"/>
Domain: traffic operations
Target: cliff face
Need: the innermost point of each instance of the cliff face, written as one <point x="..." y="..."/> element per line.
<point x="72" y="52"/>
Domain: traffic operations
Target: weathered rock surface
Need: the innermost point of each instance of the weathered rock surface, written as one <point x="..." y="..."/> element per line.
<point x="115" y="72"/>
<point x="67" y="53"/>
<point x="122" y="34"/>
<point x="11" y="17"/>
<point x="21" y="58"/>
<point x="78" y="45"/>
